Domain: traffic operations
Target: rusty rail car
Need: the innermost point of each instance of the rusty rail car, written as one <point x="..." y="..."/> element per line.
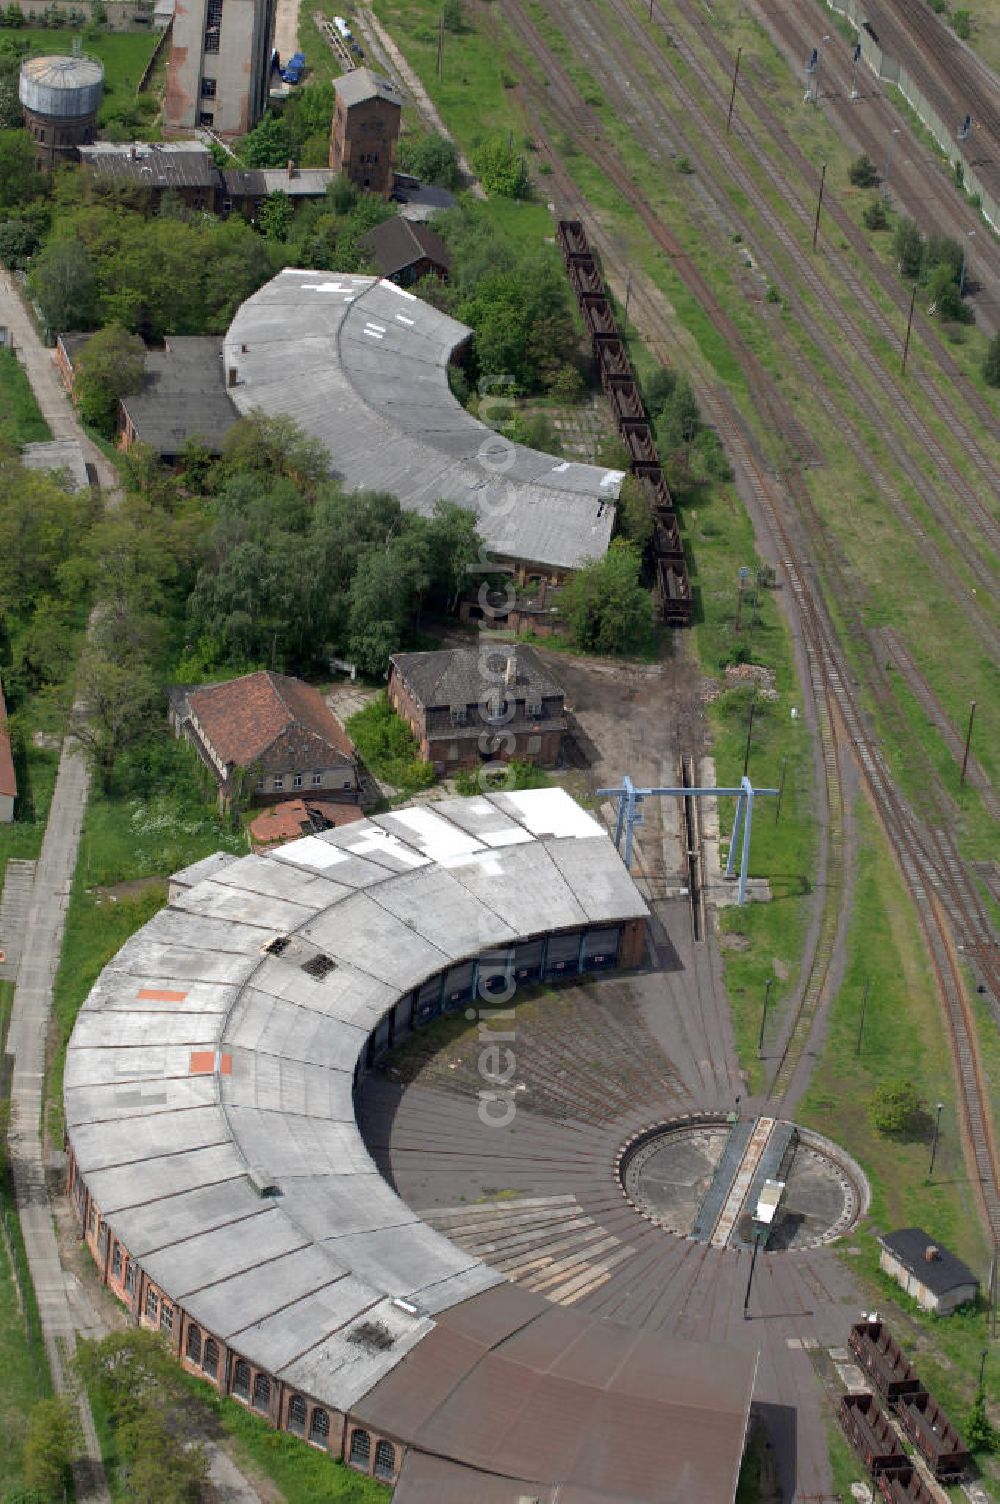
<point x="883" y="1360"/>
<point x="673" y="584"/>
<point x="871" y="1433"/>
<point x="904" y="1486"/>
<point x="933" y="1435"/>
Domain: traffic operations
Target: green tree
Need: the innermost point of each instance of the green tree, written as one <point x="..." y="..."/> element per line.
<point x="943" y="298"/>
<point x="161" y="1468"/>
<point x="453" y="15"/>
<point x="276" y="215"/>
<point x="875" y="216"/>
<point x="19" y="181"/>
<point x="862" y="172"/>
<point x="634" y="516"/>
<point x="270" y="144"/>
<point x="121" y="705"/>
<point x="41" y="529"/>
<point x="943" y="251"/>
<point x="991" y="362"/>
<point x="53" y="1436"/>
<point x="432" y="158"/>
<point x="64" y="282"/>
<point x="18" y="243"/>
<point x="501" y="168"/>
<point x="908" y="248"/>
<point x="657" y="390"/>
<point x="110" y="366"/>
<point x="896" y="1107"/>
<point x="679" y="418"/>
<point x="979" y="1431"/>
<point x="607" y="609"/>
<point x="274" y="446"/>
<point x="961" y="23"/>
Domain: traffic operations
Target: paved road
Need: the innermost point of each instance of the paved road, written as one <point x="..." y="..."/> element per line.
<point x="26" y="1042"/>
<point x="50" y="394"/>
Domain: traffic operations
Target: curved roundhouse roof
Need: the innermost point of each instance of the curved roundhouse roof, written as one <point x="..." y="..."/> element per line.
<point x="204" y="1067"/>
<point x="361" y="365"/>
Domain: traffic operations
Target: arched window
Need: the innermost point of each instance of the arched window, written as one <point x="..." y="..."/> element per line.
<point x="385" y="1460"/>
<point x="361" y="1449"/>
<point x="261" y="1392"/>
<point x="241" y="1379"/>
<point x="319" y="1426"/>
<point x="193" y="1348"/>
<point x="210" y="1362"/>
<point x="297" y="1415"/>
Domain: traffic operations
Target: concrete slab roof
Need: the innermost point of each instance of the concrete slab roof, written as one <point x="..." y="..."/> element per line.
<point x="64" y="457"/>
<point x="209" y="1082"/>
<point x="361" y="364"/>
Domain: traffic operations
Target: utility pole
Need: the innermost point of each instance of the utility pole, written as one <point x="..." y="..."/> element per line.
<point x="854" y="72"/>
<point x="763" y="1017"/>
<point x="781" y="788"/>
<point x="628" y="295"/>
<point x="968" y="743"/>
<point x="440" y="55"/>
<point x="861" y="1020"/>
<point x="732" y="97"/>
<point x="888" y="162"/>
<point x="934" y="1141"/>
<point x="819" y="205"/>
<point x="965" y="262"/>
<point x="909" y="326"/>
<point x="753" y="1264"/>
<point x="746" y="753"/>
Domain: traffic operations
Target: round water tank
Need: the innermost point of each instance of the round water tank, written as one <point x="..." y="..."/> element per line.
<point x="63" y="88"/>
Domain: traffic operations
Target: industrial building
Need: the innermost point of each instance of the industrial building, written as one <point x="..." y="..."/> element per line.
<point x="60" y="97"/>
<point x="220" y="65"/>
<point x="362" y="366"/>
<point x="225" y="1191"/>
<point x="364" y="133"/>
<point x="935" y="1277"/>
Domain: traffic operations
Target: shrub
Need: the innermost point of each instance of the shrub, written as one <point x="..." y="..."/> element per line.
<point x="908" y="248"/>
<point x="862" y="172"/>
<point x="875" y="217"/>
<point x="961" y="24"/>
<point x="991" y="362"/>
<point x="684" y="166"/>
<point x="896" y="1107"/>
<point x="501" y="168"/>
<point x="980" y="1434"/>
<point x="387" y="746"/>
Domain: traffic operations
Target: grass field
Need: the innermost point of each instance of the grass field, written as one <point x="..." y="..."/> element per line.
<point x="123" y="53"/>
<point x="21" y="421"/>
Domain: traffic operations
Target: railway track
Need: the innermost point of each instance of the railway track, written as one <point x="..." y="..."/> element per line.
<point x="972" y="523"/>
<point x="911" y="846"/>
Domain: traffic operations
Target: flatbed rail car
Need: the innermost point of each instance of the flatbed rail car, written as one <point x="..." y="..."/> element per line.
<point x="673" y="586"/>
<point x="904" y="1485"/>
<point x="883" y="1360"/>
<point x="871" y="1433"/>
<point x="933" y="1435"/>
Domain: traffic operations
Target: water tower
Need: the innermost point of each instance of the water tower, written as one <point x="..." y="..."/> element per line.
<point x="61" y="97"/>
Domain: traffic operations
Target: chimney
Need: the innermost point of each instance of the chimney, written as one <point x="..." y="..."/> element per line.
<point x="510" y="673"/>
<point x="291" y="168"/>
<point x="932" y="1253"/>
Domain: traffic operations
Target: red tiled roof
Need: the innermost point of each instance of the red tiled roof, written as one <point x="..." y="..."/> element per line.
<point x="288" y="821"/>
<point x="8" y="783"/>
<point x="246" y="718"/>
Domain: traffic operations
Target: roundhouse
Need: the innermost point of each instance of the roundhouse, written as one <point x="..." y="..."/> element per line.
<point x="229" y="1200"/>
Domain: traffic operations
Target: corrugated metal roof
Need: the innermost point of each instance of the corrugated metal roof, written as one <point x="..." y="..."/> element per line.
<point x="362" y="365"/>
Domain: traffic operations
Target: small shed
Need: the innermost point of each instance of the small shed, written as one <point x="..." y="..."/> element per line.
<point x="404" y="252"/>
<point x="936" y="1278"/>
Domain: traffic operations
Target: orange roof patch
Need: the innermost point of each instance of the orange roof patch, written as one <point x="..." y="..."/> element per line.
<point x="160" y="995"/>
<point x="205" y="1062"/>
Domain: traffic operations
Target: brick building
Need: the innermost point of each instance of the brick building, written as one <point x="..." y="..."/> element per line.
<point x="468" y="706"/>
<point x="366" y="117"/>
<point x="276" y="729"/>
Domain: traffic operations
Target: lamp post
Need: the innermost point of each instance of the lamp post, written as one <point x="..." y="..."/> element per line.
<point x="888" y="161"/>
<point x="763" y="1017"/>
<point x="753" y="1264"/>
<point x="965" y="262"/>
<point x="934" y="1141"/>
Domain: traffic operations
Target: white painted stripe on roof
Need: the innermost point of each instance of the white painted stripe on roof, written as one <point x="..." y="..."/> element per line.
<point x="438" y="838"/>
<point x="371" y="333"/>
<point x="551" y="812"/>
<point x="402" y="319"/>
<point x="394" y="287"/>
<point x="312" y="852"/>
